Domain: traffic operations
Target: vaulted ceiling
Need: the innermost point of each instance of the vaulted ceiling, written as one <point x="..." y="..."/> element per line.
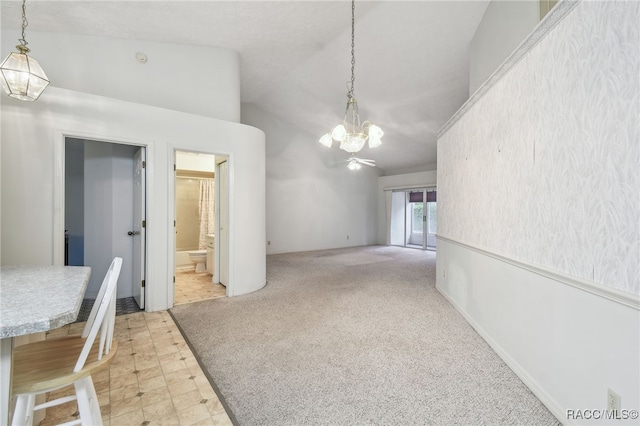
<point x="412" y="58"/>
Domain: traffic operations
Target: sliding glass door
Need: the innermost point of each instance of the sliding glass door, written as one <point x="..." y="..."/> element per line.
<point x="413" y="218"/>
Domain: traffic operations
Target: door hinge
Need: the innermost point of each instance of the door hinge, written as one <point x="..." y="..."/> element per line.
<point x="143" y="283"/>
<point x="174" y="223"/>
<point x="174" y="279"/>
<point x="174" y="167"/>
<point x="144" y="164"/>
<point x="144" y="223"/>
<point x="424" y="218"/>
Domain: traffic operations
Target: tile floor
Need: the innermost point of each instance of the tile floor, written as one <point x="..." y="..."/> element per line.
<point x="153" y="380"/>
<point x="191" y="287"/>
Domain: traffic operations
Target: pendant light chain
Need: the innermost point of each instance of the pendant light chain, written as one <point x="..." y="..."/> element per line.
<point x="22" y="47"/>
<point x="353" y="47"/>
<point x="351" y="99"/>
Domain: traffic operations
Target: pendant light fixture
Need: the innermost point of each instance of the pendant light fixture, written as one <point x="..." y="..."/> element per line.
<point x="22" y="76"/>
<point x="351" y="133"/>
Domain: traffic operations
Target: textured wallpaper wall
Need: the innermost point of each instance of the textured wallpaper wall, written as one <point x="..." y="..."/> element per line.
<point x="545" y="167"/>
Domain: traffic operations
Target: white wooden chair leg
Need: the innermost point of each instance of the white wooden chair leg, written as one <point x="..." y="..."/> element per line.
<point x="23" y="413"/>
<point x="84" y="403"/>
<point x="31" y="403"/>
<point x="20" y="411"/>
<point x="94" y="402"/>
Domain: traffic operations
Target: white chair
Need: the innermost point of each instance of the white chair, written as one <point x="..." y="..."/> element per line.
<point x="52" y="364"/>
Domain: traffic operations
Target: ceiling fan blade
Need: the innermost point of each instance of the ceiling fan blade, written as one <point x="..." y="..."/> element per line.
<point x="371" y="163"/>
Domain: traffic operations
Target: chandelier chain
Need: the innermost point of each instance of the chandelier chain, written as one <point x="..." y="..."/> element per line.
<point x="353" y="44"/>
<point x="23" y="41"/>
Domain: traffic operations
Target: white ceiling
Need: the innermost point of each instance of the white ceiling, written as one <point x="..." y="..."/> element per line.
<point x="411" y="70"/>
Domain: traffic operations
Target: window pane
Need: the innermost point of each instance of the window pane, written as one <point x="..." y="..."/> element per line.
<point x="416" y="218"/>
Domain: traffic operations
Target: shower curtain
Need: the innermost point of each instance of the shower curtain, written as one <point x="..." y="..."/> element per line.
<point x="206" y="208"/>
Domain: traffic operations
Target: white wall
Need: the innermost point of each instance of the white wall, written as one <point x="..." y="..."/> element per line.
<point x="313" y="201"/>
<point x="108" y="67"/>
<point x="538" y="209"/>
<point x="402" y="181"/>
<point x="33" y="132"/>
<point x="504" y="25"/>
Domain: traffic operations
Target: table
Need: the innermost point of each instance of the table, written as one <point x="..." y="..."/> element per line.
<point x="35" y="299"/>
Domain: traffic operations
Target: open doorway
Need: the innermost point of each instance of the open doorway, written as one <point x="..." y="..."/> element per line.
<point x="104" y="216"/>
<point x="200" y="235"/>
<point x="413" y="218"/>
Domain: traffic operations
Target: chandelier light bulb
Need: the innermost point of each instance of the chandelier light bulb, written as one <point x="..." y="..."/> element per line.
<point x="373" y="142"/>
<point x="326" y="140"/>
<point x="339" y="133"/>
<point x="375" y="136"/>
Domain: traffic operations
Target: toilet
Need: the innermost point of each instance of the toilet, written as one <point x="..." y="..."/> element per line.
<point x="199" y="258"/>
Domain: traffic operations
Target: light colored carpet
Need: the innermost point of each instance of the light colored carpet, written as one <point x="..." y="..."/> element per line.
<point x="353" y="336"/>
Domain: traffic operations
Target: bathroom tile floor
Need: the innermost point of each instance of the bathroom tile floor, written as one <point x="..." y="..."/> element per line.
<point x="154" y="378"/>
<point x="191" y="287"/>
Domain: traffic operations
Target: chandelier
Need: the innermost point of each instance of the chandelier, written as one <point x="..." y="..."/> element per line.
<point x="351" y="133"/>
<point x="22" y="76"/>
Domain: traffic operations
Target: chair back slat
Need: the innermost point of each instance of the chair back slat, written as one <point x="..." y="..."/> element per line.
<point x="104" y="317"/>
<point x="96" y="303"/>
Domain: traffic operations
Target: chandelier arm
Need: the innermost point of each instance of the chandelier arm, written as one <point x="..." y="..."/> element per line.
<point x="346" y="110"/>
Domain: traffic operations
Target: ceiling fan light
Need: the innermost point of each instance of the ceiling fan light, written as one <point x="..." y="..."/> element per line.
<point x="339" y="133"/>
<point x="353" y="165"/>
<point x="22" y="77"/>
<point x="326" y="140"/>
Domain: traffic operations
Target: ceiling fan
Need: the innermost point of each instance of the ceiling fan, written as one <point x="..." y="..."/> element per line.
<point x="354" y="163"/>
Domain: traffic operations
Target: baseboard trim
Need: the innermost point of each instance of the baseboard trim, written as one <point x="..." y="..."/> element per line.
<point x="626" y="299"/>
<point x="185" y="268"/>
<point x="529" y="381"/>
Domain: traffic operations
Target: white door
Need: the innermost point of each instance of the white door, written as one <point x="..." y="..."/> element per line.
<point x="223" y="247"/>
<point x="139" y="240"/>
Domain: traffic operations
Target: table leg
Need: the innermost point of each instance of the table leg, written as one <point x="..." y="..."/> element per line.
<point x="6" y="346"/>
